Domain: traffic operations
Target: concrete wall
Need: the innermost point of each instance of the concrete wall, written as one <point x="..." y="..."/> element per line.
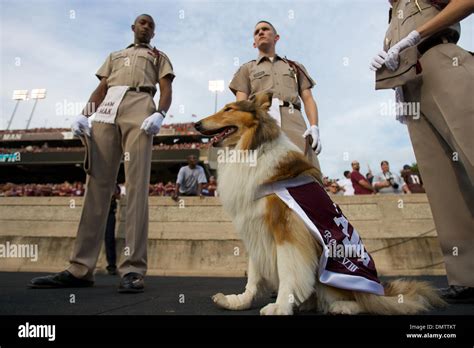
<point x="196" y="237"/>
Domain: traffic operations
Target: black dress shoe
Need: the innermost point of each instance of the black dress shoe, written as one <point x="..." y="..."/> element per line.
<point x="457" y="294"/>
<point x="63" y="279"/>
<point x="131" y="283"/>
<point x="112" y="270"/>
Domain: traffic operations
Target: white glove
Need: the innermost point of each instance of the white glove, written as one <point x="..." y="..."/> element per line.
<point x="410" y="40"/>
<point x="314" y="132"/>
<point x="378" y="61"/>
<point x="152" y="124"/>
<point x="80" y="126"/>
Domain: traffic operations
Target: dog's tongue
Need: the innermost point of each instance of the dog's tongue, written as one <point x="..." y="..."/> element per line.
<point x="220" y="136"/>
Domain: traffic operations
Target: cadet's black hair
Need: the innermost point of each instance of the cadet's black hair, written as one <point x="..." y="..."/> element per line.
<point x="345" y="173"/>
<point x="384" y="162"/>
<point x="143" y="14"/>
<point x="270" y="24"/>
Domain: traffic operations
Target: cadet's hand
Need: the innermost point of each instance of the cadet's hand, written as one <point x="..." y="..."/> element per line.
<point x="80" y="126"/>
<point x="378" y="61"/>
<point x="314" y="132"/>
<point x="152" y="124"/>
<point x="392" y="59"/>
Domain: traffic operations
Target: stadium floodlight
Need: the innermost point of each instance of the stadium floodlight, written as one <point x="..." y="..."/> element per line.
<point x="18" y="95"/>
<point x="39" y="93"/>
<point x="36" y="94"/>
<point x="216" y="86"/>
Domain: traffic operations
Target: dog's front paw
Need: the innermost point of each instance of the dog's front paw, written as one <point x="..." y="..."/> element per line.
<point x="221" y="300"/>
<point x="231" y="302"/>
<point x="276" y="309"/>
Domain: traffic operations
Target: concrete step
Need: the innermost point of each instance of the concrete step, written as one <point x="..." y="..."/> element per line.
<point x="196" y="237"/>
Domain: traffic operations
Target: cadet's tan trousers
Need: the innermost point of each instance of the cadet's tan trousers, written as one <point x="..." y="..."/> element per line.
<point x="443" y="141"/>
<point x="105" y="147"/>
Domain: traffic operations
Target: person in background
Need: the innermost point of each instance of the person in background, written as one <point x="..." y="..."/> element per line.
<point x="110" y="249"/>
<point x="190" y="179"/>
<point x="361" y="185"/>
<point x="412" y="179"/>
<point x="346" y="184"/>
<point x="211" y="187"/>
<point x="388" y="182"/>
<point x="335" y="189"/>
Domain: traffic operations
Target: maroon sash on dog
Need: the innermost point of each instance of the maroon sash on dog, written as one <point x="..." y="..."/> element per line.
<point x="344" y="262"/>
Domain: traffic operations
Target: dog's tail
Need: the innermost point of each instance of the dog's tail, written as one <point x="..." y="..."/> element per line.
<point x="401" y="297"/>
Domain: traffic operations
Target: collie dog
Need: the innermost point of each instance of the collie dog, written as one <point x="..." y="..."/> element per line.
<point x="284" y="255"/>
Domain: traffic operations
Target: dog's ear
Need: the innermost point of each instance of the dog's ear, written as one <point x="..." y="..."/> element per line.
<point x="264" y="100"/>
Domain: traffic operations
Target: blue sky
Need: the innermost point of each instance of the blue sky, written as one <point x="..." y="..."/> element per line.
<point x="59" y="45"/>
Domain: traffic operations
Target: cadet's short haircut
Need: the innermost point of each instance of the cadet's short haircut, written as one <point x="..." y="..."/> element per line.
<point x="384" y="162"/>
<point x="270" y="24"/>
<point x="346" y="172"/>
<point x="144" y="14"/>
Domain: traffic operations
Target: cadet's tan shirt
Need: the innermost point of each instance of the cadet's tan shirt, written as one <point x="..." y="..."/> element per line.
<point x="277" y="77"/>
<point x="135" y="66"/>
<point x="406" y="16"/>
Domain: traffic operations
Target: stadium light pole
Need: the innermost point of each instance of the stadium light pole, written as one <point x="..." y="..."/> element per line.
<point x="36" y="94"/>
<point x="18" y="95"/>
<point x="216" y="86"/>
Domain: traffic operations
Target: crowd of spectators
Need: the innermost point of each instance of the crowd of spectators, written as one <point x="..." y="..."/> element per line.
<point x="65" y="189"/>
<point x="77" y="189"/>
<point x="177" y="128"/>
<point x="46" y="148"/>
<point x="385" y="182"/>
<point x="35" y="130"/>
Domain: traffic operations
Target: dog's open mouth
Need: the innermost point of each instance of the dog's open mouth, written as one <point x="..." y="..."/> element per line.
<point x="220" y="134"/>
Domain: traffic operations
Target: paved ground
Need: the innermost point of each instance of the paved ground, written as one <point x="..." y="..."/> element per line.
<point x="163" y="295"/>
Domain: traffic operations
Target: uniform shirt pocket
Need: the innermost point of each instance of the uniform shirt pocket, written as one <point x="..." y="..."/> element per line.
<point x="147" y="65"/>
<point x="289" y="79"/>
<point x="260" y="80"/>
<point x="119" y="61"/>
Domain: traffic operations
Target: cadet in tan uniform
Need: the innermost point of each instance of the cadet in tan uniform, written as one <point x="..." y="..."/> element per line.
<point x="126" y="120"/>
<point x="442" y="135"/>
<point x="288" y="81"/>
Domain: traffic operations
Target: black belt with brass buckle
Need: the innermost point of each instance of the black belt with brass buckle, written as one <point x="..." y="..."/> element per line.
<point x="150" y="90"/>
<point x="288" y="104"/>
<point x="424" y="46"/>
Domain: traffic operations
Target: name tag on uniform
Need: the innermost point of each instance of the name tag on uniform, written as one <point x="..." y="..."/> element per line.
<point x="275" y="111"/>
<point x="107" y="110"/>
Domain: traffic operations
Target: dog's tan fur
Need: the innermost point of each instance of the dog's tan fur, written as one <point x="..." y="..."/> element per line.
<point x="283" y="254"/>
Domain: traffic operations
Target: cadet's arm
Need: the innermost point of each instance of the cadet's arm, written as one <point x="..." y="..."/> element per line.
<point x="310" y="107"/>
<point x="96" y="98"/>
<point x="455" y="11"/>
<point x="165" y="93"/>
<point x="241" y="96"/>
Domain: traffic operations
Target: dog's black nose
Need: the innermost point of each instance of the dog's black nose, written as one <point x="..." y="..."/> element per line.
<point x="198" y="125"/>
